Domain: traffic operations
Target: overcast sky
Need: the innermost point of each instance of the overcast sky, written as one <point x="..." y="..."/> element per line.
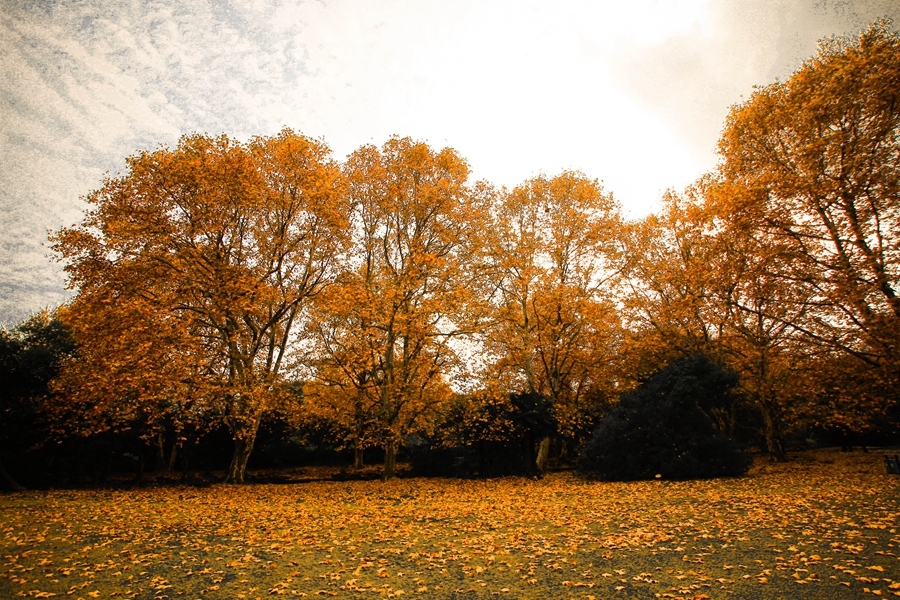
<point x="631" y="93"/>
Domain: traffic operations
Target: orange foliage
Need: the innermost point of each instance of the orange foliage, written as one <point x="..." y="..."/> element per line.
<point x="553" y="253"/>
<point x="193" y="270"/>
<point x="384" y="332"/>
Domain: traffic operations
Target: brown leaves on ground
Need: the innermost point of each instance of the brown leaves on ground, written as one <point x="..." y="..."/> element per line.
<point x="818" y="527"/>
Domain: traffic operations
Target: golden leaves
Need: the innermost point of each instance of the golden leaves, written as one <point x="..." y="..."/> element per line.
<point x="433" y="538"/>
<point x="382" y="356"/>
<point x="192" y="270"/>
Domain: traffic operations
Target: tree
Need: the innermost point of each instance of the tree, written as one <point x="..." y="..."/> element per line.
<point x="760" y="341"/>
<point x="761" y="347"/>
<point x="699" y="285"/>
<point x="193" y="272"/>
<point x="30" y="357"/>
<point x="670" y="295"/>
<point x="344" y="388"/>
<point x="663" y="428"/>
<point x="384" y="334"/>
<point x="813" y="169"/>
<point x="552" y="253"/>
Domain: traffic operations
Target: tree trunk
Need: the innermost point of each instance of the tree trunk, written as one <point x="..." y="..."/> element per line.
<point x="244" y="439"/>
<point x="7" y="483"/>
<point x="173" y="457"/>
<point x="138" y="470"/>
<point x="543" y="455"/>
<point x="186" y="454"/>
<point x="390" y="461"/>
<point x="160" y="462"/>
<point x="358" y="462"/>
<point x="846" y="442"/>
<point x="774" y="443"/>
<point x="107" y="466"/>
<point x="530" y="450"/>
<point x="242" y="449"/>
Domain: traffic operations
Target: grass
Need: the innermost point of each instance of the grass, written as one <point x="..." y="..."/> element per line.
<point x="821" y="526"/>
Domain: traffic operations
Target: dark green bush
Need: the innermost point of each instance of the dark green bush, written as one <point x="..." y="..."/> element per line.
<point x="663" y="429"/>
<point x="482" y="438"/>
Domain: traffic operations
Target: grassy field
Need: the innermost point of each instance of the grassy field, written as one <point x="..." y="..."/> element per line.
<point x="824" y="525"/>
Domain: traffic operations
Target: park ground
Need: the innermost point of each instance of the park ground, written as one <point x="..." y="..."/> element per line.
<point x="824" y="525"/>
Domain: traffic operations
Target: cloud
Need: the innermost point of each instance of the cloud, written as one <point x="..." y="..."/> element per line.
<point x="690" y="80"/>
<point x="83" y="85"/>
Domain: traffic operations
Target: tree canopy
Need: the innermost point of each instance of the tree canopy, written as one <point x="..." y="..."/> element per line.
<point x="193" y="271"/>
<point x="217" y="279"/>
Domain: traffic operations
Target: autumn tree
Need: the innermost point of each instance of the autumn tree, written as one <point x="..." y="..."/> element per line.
<point x="761" y="340"/>
<point x="343" y="393"/>
<point x="552" y="252"/>
<point x="813" y="169"/>
<point x="193" y="271"/>
<point x="697" y="286"/>
<point x="385" y="331"/>
<point x="669" y="296"/>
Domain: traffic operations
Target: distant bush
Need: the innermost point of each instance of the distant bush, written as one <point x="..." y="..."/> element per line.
<point x="663" y="429"/>
<point x="30" y="357"/>
<point x="485" y="438"/>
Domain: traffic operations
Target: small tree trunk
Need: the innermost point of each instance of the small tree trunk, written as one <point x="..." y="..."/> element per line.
<point x="531" y="458"/>
<point x="774" y="444"/>
<point x="173" y="456"/>
<point x="186" y="453"/>
<point x="482" y="468"/>
<point x="846" y="442"/>
<point x="138" y="470"/>
<point x="543" y="455"/>
<point x="390" y="461"/>
<point x="160" y="462"/>
<point x="358" y="462"/>
<point x="107" y="467"/>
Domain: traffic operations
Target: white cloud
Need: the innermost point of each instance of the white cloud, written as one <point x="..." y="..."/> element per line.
<point x="690" y="79"/>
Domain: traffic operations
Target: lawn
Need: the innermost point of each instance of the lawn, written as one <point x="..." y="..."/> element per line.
<point x="824" y="525"/>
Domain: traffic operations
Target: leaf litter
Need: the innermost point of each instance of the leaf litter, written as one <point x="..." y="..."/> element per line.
<point x="824" y="525"/>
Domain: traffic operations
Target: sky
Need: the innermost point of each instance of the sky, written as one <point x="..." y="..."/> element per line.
<point x="633" y="94"/>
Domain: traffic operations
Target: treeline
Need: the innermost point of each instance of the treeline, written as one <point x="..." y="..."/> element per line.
<point x="388" y="302"/>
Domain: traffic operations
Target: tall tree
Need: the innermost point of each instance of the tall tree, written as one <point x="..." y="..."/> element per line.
<point x="698" y="287"/>
<point x="553" y="253"/>
<point x="193" y="271"/>
<point x="814" y="169"/>
<point x="385" y="334"/>
<point x="670" y="293"/>
<point x="761" y="341"/>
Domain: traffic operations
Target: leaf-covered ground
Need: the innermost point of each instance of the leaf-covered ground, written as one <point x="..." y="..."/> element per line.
<point x="823" y="526"/>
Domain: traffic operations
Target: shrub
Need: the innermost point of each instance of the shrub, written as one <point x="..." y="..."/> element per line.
<point x="662" y="429"/>
<point x="480" y="437"/>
